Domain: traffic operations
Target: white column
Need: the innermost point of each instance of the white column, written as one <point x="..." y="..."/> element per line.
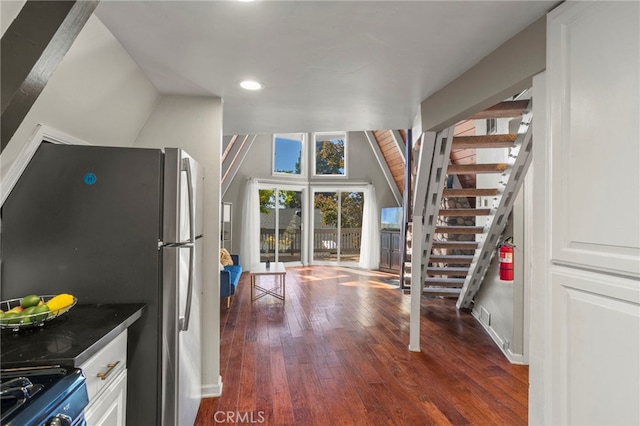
<point x="416" y="284"/>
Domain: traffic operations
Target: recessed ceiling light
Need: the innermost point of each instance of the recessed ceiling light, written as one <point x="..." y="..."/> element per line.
<point x="250" y="85"/>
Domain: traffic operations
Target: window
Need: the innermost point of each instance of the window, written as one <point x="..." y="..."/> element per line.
<point x="492" y="126"/>
<point x="330" y="154"/>
<point x="281" y="223"/>
<point x="337" y="225"/>
<point x="287" y="154"/>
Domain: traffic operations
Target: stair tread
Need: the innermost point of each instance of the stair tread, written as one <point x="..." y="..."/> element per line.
<point x="436" y="269"/>
<point x="442" y="289"/>
<point x="504" y="109"/>
<point x="484" y="141"/>
<point x="441" y="292"/>
<point x="452" y="256"/>
<point x="455" y="243"/>
<point x="451" y="259"/>
<point x="457" y="169"/>
<point x="464" y="212"/>
<point x="469" y="192"/>
<point x="444" y="282"/>
<point x="459" y="229"/>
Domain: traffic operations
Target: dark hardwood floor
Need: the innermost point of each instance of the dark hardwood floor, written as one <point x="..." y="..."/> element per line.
<point x="337" y="354"/>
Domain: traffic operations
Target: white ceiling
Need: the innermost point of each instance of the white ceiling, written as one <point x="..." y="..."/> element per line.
<point x="325" y="65"/>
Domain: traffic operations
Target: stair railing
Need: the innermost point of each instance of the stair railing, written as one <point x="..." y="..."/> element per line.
<point x="430" y="181"/>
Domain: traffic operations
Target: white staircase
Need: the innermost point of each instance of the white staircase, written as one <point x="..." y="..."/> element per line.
<point x="458" y="240"/>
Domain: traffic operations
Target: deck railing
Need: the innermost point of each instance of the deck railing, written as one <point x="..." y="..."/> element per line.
<point x="324" y="240"/>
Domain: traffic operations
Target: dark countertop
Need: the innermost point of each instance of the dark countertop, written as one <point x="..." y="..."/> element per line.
<point x="69" y="340"/>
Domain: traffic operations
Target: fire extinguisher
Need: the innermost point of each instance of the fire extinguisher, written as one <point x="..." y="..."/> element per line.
<point x="506" y="260"/>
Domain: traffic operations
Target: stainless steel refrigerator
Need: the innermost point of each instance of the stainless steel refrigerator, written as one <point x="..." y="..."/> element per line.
<point x="118" y="225"/>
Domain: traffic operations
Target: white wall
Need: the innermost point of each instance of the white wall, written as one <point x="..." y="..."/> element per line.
<point x="499" y="305"/>
<point x="97" y="94"/>
<point x="362" y="166"/>
<point x="195" y="125"/>
<point x="503" y="73"/>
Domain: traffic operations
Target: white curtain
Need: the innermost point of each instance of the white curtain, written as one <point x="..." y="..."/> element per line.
<point x="250" y="241"/>
<point x="370" y="241"/>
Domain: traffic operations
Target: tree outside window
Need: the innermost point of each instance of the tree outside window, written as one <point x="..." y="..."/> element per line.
<point x="330" y="154"/>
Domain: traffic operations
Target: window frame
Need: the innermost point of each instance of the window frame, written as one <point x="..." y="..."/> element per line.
<point x="338" y="133"/>
<point x="303" y="156"/>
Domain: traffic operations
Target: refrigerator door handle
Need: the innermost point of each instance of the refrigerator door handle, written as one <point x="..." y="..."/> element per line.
<point x="186" y="167"/>
<point x="183" y="321"/>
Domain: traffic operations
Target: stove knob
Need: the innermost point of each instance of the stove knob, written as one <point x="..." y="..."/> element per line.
<point x="59" y="420"/>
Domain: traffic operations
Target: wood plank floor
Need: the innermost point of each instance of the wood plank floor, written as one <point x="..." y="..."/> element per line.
<point x="337" y="354"/>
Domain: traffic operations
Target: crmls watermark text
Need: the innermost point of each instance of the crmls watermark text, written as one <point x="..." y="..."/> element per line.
<point x="238" y="417"/>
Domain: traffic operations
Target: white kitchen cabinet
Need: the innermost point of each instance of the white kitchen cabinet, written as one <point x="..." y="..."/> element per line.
<point x="110" y="408"/>
<point x="106" y="374"/>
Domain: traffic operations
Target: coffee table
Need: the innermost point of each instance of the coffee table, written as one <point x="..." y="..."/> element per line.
<point x="276" y="269"/>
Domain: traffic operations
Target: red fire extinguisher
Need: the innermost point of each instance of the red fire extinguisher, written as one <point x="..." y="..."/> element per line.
<point x="506" y="260"/>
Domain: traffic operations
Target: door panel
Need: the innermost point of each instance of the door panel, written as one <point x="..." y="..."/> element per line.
<point x="289" y="248"/>
<point x="351" y="205"/>
<point x="325" y="227"/>
<point x="585" y="353"/>
<point x="281" y="225"/>
<point x="267" y="225"/>
<point x="595" y="213"/>
<point x="585" y="339"/>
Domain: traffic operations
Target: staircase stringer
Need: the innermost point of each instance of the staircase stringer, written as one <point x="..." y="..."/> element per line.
<point x="437" y="181"/>
<point x="519" y="160"/>
<point x="423" y="171"/>
<point x="422" y="166"/>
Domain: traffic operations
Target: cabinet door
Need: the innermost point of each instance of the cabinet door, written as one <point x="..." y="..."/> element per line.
<point x="385" y="249"/>
<point x="395" y="251"/>
<point x="586" y="241"/>
<point x="110" y="409"/>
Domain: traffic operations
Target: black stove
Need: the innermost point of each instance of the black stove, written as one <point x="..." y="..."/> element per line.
<point x="48" y="395"/>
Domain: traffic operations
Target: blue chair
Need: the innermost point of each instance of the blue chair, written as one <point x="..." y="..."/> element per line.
<point x="229" y="279"/>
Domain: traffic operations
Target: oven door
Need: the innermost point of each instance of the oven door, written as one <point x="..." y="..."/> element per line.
<point x="43" y="396"/>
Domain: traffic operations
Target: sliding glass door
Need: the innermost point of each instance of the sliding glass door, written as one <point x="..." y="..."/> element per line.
<point x="337" y="226"/>
<point x="281" y="236"/>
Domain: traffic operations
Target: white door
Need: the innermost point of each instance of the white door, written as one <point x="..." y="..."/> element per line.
<point x="585" y="348"/>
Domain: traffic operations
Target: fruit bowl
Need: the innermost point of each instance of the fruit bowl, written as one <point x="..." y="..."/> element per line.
<point x="21" y="321"/>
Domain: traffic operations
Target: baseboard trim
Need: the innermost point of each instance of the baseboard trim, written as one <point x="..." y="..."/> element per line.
<point x="212" y="390"/>
<point x="512" y="357"/>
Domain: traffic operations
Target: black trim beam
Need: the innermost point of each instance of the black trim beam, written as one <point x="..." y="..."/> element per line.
<point x="31" y="49"/>
<point x="407" y="208"/>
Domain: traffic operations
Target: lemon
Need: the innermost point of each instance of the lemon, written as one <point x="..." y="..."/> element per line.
<point x="59" y="302"/>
